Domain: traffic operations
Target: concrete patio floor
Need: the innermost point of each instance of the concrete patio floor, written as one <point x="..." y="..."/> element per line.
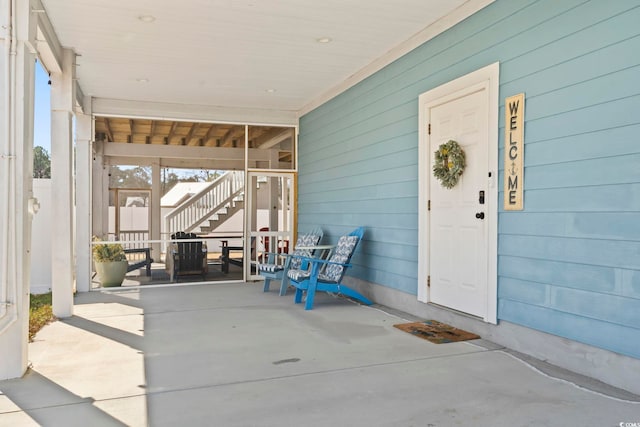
<point x="230" y="355"/>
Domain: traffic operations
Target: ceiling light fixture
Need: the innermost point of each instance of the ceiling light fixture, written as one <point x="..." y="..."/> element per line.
<point x="324" y="40"/>
<point x="142" y="80"/>
<point x="271" y="90"/>
<point x="147" y="18"/>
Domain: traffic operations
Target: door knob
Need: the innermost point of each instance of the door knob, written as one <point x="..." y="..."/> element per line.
<point x="480" y="215"/>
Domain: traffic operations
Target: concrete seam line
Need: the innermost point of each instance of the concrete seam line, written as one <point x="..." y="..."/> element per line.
<point x="539" y="371"/>
<point x="305" y="374"/>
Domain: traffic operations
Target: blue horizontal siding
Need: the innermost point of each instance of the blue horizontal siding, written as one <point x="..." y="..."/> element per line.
<point x="327" y="206"/>
<point x="601" y="171"/>
<point x="574" y="301"/>
<point x="588" y="225"/>
<point x="583" y="120"/>
<point x="395" y="159"/>
<point x="607" y="88"/>
<point x="596" y="279"/>
<point x="369" y="191"/>
<point x="569" y="264"/>
<point x="596" y="306"/>
<point x="380" y="223"/>
<point x="524" y="291"/>
<point x="609" y="253"/>
<point x="610" y="336"/>
<point x="590" y="27"/>
<point x="600" y="198"/>
<point x="584" y="146"/>
<point x="575" y="67"/>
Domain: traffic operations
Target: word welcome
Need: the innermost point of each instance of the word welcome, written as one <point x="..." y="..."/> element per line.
<point x="514" y="153"/>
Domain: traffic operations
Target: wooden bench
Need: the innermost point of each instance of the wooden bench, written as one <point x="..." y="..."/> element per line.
<point x="137" y="261"/>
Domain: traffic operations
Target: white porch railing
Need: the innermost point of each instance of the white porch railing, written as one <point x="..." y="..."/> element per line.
<point x="220" y="194"/>
<point x="134" y="238"/>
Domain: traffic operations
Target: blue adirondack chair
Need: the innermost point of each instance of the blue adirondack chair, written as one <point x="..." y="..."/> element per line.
<point x="329" y="278"/>
<point x="273" y="270"/>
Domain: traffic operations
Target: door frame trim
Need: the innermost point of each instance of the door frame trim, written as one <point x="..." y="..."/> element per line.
<point x="274" y="173"/>
<point x="487" y="78"/>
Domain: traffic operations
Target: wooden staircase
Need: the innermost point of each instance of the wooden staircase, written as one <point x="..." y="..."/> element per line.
<point x="221" y="216"/>
<point x="209" y="208"/>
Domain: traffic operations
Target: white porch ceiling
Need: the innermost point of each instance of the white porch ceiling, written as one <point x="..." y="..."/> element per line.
<point x="258" y="54"/>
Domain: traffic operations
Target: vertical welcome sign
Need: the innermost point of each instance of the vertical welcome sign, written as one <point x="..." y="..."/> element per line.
<point x="514" y="152"/>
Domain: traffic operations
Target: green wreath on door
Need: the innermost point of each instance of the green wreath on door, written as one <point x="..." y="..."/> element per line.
<point x="449" y="163"/>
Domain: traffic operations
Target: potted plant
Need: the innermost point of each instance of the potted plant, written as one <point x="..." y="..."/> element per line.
<point x="111" y="263"/>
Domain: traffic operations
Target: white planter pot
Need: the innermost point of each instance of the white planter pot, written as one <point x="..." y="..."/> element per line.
<point x="111" y="273"/>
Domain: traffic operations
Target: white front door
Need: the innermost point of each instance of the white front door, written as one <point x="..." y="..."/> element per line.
<point x="458" y="226"/>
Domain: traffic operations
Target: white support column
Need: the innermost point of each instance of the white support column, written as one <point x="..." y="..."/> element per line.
<point x="156" y="214"/>
<point x="98" y="205"/>
<point x="273" y="194"/>
<point x="17" y="34"/>
<point x="273" y="206"/>
<point x="62" y="101"/>
<point x="84" y="159"/>
<point x="104" y="190"/>
<point x="251" y="211"/>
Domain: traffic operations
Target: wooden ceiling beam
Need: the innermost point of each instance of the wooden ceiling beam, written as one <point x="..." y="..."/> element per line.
<point x="194" y="129"/>
<point x="131" y="131"/>
<point x="202" y="163"/>
<point x="152" y="131"/>
<point x="228" y="138"/>
<point x="273" y="137"/>
<point x="209" y="134"/>
<point x="180" y="152"/>
<point x="174" y="125"/>
<point x="107" y="127"/>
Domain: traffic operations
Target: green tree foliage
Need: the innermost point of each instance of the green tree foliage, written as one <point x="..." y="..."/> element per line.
<point x="126" y="177"/>
<point x="140" y="177"/>
<point x="169" y="179"/>
<point x="208" y="175"/>
<point x="41" y="163"/>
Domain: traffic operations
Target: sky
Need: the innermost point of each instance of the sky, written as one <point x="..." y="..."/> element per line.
<point x="42" y="119"/>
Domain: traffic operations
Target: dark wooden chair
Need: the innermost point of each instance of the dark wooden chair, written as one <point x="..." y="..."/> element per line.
<point x="189" y="257"/>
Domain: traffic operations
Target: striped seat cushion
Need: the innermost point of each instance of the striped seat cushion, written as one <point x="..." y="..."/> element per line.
<point x="270" y="268"/>
<point x="298" y="275"/>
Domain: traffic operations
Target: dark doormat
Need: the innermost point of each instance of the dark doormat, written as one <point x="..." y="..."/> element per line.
<point x="436" y="332"/>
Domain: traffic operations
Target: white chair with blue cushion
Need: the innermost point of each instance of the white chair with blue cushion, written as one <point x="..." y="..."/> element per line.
<point x="274" y="270"/>
<point x="327" y="275"/>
